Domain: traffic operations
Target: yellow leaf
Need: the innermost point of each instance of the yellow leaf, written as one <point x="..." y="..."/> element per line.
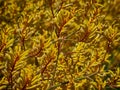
<point x="9" y="43"/>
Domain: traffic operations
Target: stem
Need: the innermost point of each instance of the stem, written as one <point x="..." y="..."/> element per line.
<point x="51" y="9"/>
<point x="10" y="78"/>
<point x="42" y="71"/>
<point x="2" y="46"/>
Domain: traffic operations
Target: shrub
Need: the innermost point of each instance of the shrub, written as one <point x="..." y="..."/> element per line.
<point x="59" y="44"/>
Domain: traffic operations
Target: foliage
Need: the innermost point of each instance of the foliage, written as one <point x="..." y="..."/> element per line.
<point x="59" y="44"/>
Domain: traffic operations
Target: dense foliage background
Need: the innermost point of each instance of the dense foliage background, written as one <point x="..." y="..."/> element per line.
<point x="59" y="44"/>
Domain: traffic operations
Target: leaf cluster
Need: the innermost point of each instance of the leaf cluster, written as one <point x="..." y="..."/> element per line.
<point x="59" y="45"/>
